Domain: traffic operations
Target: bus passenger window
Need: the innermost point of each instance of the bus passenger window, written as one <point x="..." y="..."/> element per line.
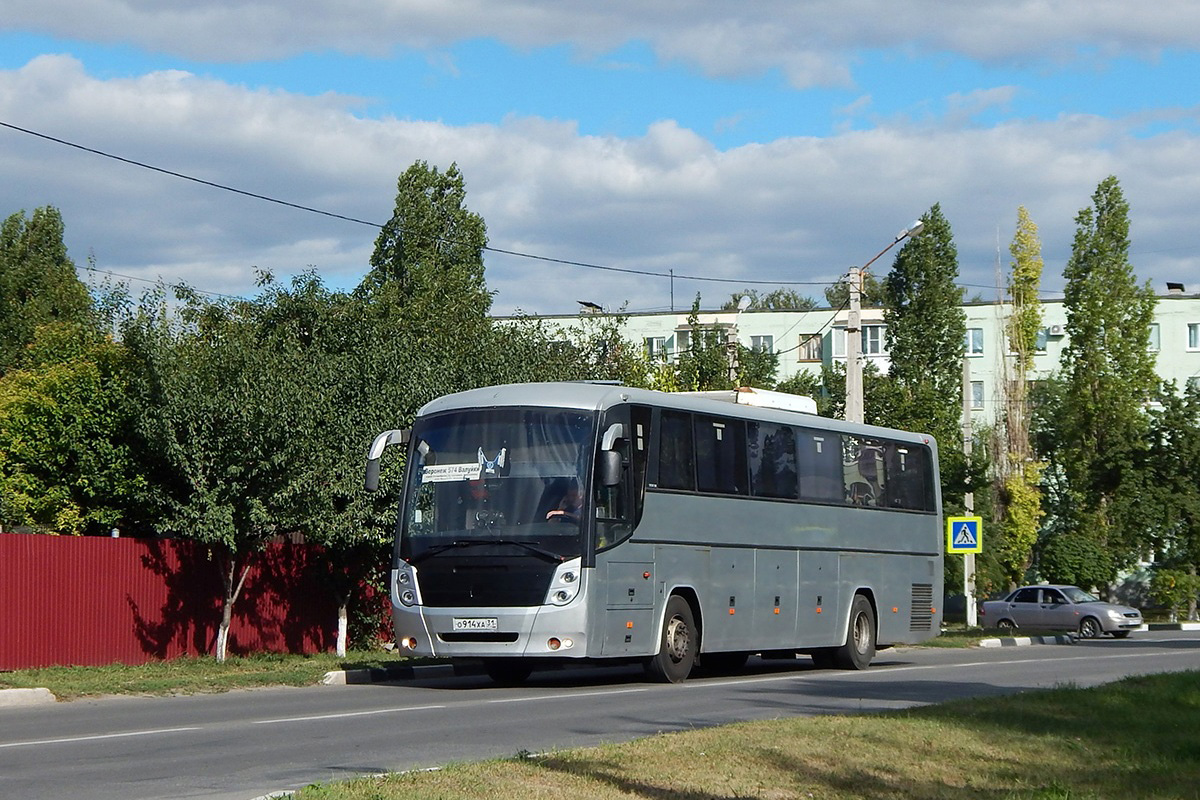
<point x="676" y="469"/>
<point x="720" y="455"/>
<point x="908" y="469"/>
<point x="820" y="460"/>
<point x="772" y="450"/>
<point x="864" y="469"/>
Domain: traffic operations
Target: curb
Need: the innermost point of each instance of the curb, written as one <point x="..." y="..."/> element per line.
<point x="13" y="698"/>
<point x="1025" y="641"/>
<point x="346" y="677"/>
<point x="1174" y="626"/>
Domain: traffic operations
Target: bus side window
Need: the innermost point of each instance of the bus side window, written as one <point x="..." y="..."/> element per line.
<point x="720" y="455"/>
<point x="820" y="462"/>
<point x="908" y="476"/>
<point x="864" y="469"/>
<point x="772" y="451"/>
<point x="676" y="464"/>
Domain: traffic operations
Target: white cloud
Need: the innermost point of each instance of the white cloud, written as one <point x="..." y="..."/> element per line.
<point x="796" y="209"/>
<point x="809" y="42"/>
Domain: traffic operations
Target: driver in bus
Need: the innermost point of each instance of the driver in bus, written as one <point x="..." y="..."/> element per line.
<point x="570" y="507"/>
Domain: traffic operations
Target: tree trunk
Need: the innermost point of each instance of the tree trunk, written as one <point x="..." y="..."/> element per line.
<point x="233" y="588"/>
<point x="343" y="626"/>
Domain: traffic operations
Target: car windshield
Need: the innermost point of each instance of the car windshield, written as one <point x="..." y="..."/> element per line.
<point x="1077" y="595"/>
<point x="507" y="478"/>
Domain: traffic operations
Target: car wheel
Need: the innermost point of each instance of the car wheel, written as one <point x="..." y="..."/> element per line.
<point x="859" y="648"/>
<point x="1090" y="628"/>
<point x="1006" y="625"/>
<point x="677" y="646"/>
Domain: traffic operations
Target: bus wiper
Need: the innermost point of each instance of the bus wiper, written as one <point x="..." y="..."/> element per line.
<point x="533" y="548"/>
<point x="441" y="548"/>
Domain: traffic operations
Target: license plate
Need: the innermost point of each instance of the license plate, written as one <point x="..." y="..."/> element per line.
<point x="475" y="624"/>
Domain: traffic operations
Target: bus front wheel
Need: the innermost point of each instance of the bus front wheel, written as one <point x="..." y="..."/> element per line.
<point x="677" y="645"/>
<point x="859" y="648"/>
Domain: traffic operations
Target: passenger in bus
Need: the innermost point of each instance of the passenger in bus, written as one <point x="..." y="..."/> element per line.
<point x="570" y="507"/>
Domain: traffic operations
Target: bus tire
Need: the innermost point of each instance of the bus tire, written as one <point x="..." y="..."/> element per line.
<point x="859" y="648"/>
<point x="676" y="645"/>
<point x="507" y="671"/>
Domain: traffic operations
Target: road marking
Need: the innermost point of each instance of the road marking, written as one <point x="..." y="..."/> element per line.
<point x="75" y="739"/>
<point x="568" y="695"/>
<point x="343" y="715"/>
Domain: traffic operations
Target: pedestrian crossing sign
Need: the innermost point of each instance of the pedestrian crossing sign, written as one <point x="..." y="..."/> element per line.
<point x="964" y="535"/>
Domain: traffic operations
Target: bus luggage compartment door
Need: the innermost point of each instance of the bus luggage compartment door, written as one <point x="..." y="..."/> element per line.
<point x="629" y="608"/>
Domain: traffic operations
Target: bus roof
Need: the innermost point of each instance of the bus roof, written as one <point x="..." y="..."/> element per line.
<point x="596" y="396"/>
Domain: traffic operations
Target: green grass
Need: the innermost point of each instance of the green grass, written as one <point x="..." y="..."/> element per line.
<point x="1134" y="739"/>
<point x="191" y="675"/>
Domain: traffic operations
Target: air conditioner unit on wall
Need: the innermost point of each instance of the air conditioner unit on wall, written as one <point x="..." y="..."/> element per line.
<point x="1056" y="330"/>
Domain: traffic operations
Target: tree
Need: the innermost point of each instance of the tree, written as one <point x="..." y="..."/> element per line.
<point x="926" y="330"/>
<point x="775" y="300"/>
<point x="1017" y="473"/>
<point x="1099" y="432"/>
<point x="873" y="295"/>
<point x="38" y="283"/>
<point x="705" y="364"/>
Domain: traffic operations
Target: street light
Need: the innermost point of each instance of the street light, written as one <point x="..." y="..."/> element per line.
<point x="854" y="381"/>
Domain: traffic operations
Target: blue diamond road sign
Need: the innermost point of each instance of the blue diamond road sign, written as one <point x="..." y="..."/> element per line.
<point x="964" y="535"/>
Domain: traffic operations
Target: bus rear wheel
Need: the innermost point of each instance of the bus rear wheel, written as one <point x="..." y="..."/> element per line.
<point x="677" y="645"/>
<point x="859" y="648"/>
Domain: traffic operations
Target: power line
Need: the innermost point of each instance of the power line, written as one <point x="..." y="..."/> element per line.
<point x="355" y="220"/>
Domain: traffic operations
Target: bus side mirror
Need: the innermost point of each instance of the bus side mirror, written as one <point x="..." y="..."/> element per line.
<point x="609" y="468"/>
<point x="376" y="452"/>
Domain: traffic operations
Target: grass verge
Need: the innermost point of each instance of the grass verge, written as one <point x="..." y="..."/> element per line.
<point x="190" y="675"/>
<point x="1132" y="739"/>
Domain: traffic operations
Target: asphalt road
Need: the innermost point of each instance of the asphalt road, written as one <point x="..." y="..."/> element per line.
<point x="246" y="744"/>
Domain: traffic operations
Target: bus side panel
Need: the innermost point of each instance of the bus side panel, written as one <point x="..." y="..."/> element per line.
<point x="776" y="581"/>
<point x="728" y="606"/>
<point x="818" y="624"/>
<point x="628" y="616"/>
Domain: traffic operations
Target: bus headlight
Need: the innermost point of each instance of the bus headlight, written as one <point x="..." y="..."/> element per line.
<point x="564" y="587"/>
<point x="404" y="585"/>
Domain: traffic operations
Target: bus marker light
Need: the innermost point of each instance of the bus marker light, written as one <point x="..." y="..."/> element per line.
<point x="731" y="612"/>
<point x="818" y="609"/>
<point x="568" y="643"/>
<point x="629" y="624"/>
<point x="776" y="609"/>
<point x="646" y="575"/>
<point x="410" y="643"/>
<point x="895" y="610"/>
<point x="932" y="610"/>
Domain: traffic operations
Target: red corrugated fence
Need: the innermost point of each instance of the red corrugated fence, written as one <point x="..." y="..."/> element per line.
<point x="92" y="601"/>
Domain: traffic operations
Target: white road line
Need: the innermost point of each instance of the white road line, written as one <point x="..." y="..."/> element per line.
<point x="569" y="695"/>
<point x="343" y="715"/>
<point x="76" y="739"/>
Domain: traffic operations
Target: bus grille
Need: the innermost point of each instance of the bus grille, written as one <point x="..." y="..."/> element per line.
<point x="921" y="615"/>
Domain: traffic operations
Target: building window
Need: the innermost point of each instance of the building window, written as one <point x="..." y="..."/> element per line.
<point x="1043" y="336"/>
<point x="872" y="340"/>
<point x="683" y="341"/>
<point x="976" y="395"/>
<point x="1154" y="342"/>
<point x="1194" y="336"/>
<point x="656" y="348"/>
<point x="810" y="347"/>
<point x="765" y="344"/>
<point x="974" y="342"/>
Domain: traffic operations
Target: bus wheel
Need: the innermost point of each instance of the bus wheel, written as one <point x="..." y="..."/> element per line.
<point x="677" y="647"/>
<point x="859" y="648"/>
<point x="507" y="671"/>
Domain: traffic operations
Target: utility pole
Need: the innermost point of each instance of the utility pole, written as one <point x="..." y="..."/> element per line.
<point x="969" y="497"/>
<point x="854" y="383"/>
<point x="854" y="377"/>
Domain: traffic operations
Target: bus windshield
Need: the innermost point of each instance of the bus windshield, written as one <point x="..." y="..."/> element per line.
<point x="511" y="480"/>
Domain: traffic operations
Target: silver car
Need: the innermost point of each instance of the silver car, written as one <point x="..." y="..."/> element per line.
<point x="1059" y="608"/>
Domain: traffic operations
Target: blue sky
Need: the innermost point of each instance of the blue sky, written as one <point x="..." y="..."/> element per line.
<point x="776" y="142"/>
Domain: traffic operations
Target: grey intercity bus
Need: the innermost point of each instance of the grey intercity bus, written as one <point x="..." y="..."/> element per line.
<point x="553" y="521"/>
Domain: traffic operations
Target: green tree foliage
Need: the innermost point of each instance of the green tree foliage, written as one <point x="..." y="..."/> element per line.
<point x="926" y="329"/>
<point x="1097" y="432"/>
<point x="38" y="283"/>
<point x="837" y="295"/>
<point x="1016" y="474"/>
<point x="775" y="300"/>
<point x="704" y="366"/>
